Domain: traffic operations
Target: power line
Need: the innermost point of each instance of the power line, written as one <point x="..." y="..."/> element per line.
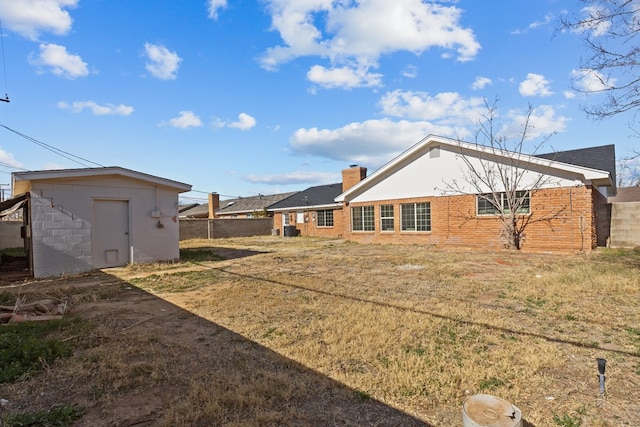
<point x="53" y="149"/>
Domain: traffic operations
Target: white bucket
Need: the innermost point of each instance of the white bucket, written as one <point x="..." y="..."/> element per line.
<point x="484" y="410"/>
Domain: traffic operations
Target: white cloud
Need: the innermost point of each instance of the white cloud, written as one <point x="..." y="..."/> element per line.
<point x="481" y="82"/>
<point x="343" y="77"/>
<point x="535" y="85"/>
<point x="214" y="6"/>
<point x="543" y="121"/>
<point x="352" y="34"/>
<point x="61" y="62"/>
<point x="7" y="158"/>
<point x="96" y="109"/>
<point x="161" y="62"/>
<point x="592" y="22"/>
<point x="245" y="122"/>
<point x="589" y="81"/>
<point x="185" y="120"/>
<point x="372" y="142"/>
<point x="548" y="18"/>
<point x="410" y="72"/>
<point x="30" y="18"/>
<point x="447" y="107"/>
<point x="294" y="178"/>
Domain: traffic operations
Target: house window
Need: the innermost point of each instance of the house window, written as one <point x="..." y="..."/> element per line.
<point x="486" y="206"/>
<point x="386" y="217"/>
<point x="415" y="216"/>
<point x="325" y="218"/>
<point x="362" y="218"/>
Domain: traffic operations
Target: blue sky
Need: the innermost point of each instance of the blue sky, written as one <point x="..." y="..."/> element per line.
<point x="244" y="97"/>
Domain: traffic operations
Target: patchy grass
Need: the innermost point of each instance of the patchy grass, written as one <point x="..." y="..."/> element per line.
<point x="26" y="348"/>
<point x="298" y="331"/>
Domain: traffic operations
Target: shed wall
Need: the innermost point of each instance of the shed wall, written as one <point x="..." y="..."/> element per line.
<point x="62" y="221"/>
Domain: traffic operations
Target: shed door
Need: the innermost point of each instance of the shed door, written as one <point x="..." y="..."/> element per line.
<point x="110" y="233"/>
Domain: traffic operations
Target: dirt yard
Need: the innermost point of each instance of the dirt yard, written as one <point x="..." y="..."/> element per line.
<point x="277" y="331"/>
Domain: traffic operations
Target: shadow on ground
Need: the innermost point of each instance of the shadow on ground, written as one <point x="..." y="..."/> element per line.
<point x="149" y="362"/>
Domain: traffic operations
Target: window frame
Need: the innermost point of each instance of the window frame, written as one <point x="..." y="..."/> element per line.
<point x="415" y="221"/>
<point x="385" y="217"/>
<point x="321" y="218"/>
<point x="366" y="218"/>
<point x="490" y="210"/>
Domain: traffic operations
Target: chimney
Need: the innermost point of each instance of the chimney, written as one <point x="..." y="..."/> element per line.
<point x="352" y="175"/>
<point x="214" y="204"/>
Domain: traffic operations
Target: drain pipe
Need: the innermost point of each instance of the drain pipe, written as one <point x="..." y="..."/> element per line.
<point x="602" y="365"/>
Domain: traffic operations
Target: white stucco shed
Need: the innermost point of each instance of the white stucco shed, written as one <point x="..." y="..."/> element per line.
<point x="82" y="219"/>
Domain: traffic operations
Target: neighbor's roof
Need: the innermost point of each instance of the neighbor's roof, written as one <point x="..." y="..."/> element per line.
<point x="321" y="196"/>
<point x="250" y="204"/>
<point x="240" y="205"/>
<point x="626" y="194"/>
<point x="599" y="177"/>
<point x="22" y="180"/>
<point x="602" y="157"/>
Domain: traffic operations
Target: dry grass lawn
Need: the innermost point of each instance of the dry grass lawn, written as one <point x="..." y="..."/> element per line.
<point x="328" y="332"/>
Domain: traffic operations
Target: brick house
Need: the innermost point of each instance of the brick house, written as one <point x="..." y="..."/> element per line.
<point x="240" y="207"/>
<point x="312" y="212"/>
<point x="408" y="200"/>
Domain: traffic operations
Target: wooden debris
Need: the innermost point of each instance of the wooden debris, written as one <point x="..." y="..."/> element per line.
<point x="36" y="311"/>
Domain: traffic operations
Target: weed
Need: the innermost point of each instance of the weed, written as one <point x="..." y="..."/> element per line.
<point x="7" y="298"/>
<point x="13" y="251"/>
<point x="25" y="347"/>
<point x="58" y="416"/>
<point x="491" y="383"/>
<point x="570" y="317"/>
<point x="567" y="420"/>
<point x="363" y="396"/>
<point x="535" y="302"/>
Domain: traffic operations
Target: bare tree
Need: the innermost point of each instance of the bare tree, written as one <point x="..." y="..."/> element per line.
<point x="609" y="29"/>
<point x="501" y="177"/>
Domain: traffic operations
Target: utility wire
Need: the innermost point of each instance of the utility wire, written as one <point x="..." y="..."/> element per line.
<point x="53" y="149"/>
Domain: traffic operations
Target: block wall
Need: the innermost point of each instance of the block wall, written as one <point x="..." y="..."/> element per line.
<point x="625" y="225"/>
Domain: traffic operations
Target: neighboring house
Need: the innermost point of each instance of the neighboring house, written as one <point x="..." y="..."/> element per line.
<point x="241" y="207"/>
<point x="407" y="200"/>
<point x="314" y="211"/>
<point x="625" y="218"/>
<point x="81" y="219"/>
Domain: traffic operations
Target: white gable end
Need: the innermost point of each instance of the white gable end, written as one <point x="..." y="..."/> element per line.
<point x="433" y="172"/>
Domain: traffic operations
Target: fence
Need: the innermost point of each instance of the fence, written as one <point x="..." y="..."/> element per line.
<point x="223" y="228"/>
<point x="10" y="234"/>
<point x="625" y="225"/>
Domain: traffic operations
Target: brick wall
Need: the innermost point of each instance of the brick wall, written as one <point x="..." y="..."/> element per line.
<point x="310" y="226"/>
<point x="561" y="219"/>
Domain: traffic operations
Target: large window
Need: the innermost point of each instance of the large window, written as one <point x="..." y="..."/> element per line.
<point x="415" y="216"/>
<point x="362" y="218"/>
<point x="386" y="217"/>
<point x="486" y="206"/>
<point x="325" y="218"/>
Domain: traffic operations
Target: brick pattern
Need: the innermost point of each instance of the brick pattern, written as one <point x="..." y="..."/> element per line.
<point x="351" y="176"/>
<point x="561" y="219"/>
<point x="59" y="239"/>
<point x="310" y="227"/>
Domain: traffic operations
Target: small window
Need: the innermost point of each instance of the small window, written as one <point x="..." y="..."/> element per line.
<point x="415" y="216"/>
<point x="325" y="218"/>
<point x="362" y="218"/>
<point x="386" y="218"/>
<point x="487" y="204"/>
